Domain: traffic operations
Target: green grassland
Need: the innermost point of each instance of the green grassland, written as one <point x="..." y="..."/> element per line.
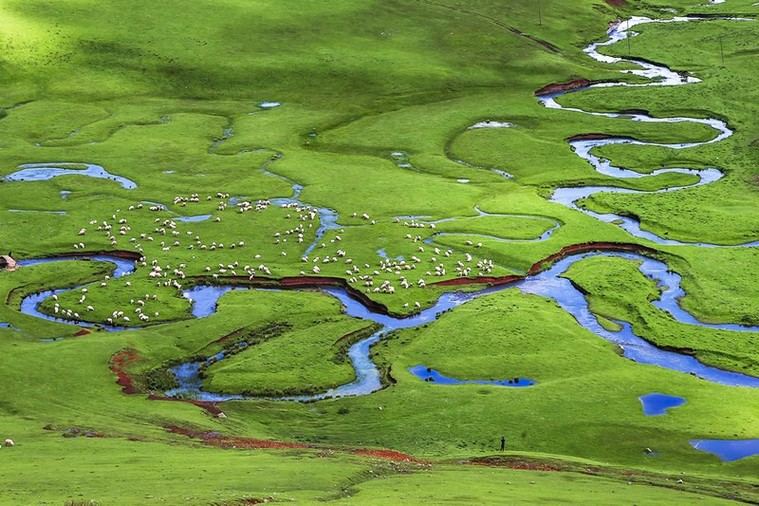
<point x="619" y="291"/>
<point x="314" y="350"/>
<point x="696" y="47"/>
<point x="169" y="95"/>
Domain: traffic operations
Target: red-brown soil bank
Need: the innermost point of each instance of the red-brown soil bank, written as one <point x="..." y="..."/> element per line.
<point x="237" y="442"/>
<point x="546" y="262"/>
<point x="575" y="84"/>
<point x="119" y="364"/>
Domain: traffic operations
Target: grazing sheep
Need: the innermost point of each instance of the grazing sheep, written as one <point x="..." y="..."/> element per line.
<point x="9" y="443"/>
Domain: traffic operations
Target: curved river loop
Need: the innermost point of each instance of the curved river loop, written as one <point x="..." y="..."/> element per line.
<point x="548" y="283"/>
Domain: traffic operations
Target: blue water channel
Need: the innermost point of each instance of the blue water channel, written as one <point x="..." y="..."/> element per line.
<point x="47" y="171"/>
<point x="547" y="284"/>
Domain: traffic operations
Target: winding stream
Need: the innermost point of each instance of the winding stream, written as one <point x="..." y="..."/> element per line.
<point x="30" y="305"/>
<point x="432" y="376"/>
<point x="47" y="171"/>
<point x="327" y="217"/>
<point x="549" y="283"/>
<point x="659" y="76"/>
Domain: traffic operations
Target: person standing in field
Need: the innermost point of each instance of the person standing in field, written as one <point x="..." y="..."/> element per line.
<point x="503" y="443"/>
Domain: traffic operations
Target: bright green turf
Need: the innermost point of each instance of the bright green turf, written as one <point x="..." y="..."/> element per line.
<point x="166" y="94"/>
<point x="492" y="486"/>
<point x="619" y="291"/>
<point x="725" y="209"/>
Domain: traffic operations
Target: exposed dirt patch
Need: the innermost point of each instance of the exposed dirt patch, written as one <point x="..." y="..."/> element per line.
<point x="575" y="84"/>
<point x="251" y="443"/>
<point x="125" y="254"/>
<point x="617" y="3"/>
<point x="119" y="364"/>
<point x="574" y="249"/>
<point x="293" y="283"/>
<point x="235" y="442"/>
<point x="392" y="455"/>
<point x="589" y="137"/>
<point x="219" y="440"/>
<point x="121" y="361"/>
<point x="211" y="408"/>
<point x="7" y="262"/>
<point x="491" y="280"/>
<point x="516" y="463"/>
<point x="643" y="112"/>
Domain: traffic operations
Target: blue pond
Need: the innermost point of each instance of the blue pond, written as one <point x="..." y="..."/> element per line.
<point x="193" y="219"/>
<point x="431" y="375"/>
<point x="40" y="211"/>
<point x="47" y="171"/>
<point x="382" y="253"/>
<point x="728" y="450"/>
<point x="656" y="404"/>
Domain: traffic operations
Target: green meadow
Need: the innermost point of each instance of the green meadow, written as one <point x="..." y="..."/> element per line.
<point x="219" y="112"/>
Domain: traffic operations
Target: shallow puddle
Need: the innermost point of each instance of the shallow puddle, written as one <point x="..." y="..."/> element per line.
<point x="728" y="450"/>
<point x="656" y="404"/>
<point x="432" y="376"/>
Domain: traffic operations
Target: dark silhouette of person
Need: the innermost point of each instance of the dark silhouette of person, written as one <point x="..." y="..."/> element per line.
<point x="503" y="443"/>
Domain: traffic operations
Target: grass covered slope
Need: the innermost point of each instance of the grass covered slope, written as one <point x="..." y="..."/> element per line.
<point x="85" y="467"/>
<point x="307" y="357"/>
<point x="364" y="108"/>
<point x="470" y="486"/>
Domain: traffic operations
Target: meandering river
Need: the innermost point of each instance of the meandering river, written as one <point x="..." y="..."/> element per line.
<point x="549" y="283"/>
<point x="658" y="75"/>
